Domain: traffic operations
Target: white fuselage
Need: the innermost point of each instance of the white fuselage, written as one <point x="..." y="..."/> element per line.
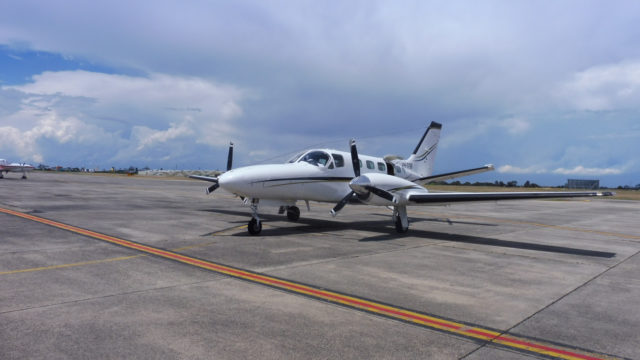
<point x="305" y="179"/>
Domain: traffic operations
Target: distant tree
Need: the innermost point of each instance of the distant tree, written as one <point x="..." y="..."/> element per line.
<point x="527" y="184"/>
<point x="512" y="183"/>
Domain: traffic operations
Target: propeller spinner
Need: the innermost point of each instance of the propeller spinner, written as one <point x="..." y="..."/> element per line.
<point x="360" y="185"/>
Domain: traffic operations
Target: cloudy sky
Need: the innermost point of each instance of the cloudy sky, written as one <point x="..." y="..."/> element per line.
<point x="544" y="90"/>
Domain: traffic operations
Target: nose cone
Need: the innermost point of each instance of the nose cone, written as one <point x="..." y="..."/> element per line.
<point x="359" y="184"/>
<point x="234" y="181"/>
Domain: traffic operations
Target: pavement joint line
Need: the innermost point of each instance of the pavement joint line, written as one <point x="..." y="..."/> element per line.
<point x="524" y="222"/>
<point x="453" y="327"/>
<point x="562" y="297"/>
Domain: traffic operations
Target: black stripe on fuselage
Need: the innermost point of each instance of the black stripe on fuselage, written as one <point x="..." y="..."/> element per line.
<point x="303" y="180"/>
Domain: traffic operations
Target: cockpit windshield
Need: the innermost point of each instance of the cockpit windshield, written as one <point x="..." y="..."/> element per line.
<point x="295" y="157"/>
<point x="318" y="158"/>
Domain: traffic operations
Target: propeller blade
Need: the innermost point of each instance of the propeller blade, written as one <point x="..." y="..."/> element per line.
<point x="341" y="204"/>
<point x="230" y="157"/>
<point x="212" y="188"/>
<point x="354" y="158"/>
<point x="382" y="193"/>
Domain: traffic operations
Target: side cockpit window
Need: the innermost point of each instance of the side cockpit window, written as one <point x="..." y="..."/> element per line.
<point x="318" y="158"/>
<point x="339" y="160"/>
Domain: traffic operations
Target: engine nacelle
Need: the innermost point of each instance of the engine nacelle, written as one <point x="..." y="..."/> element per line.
<point x="365" y="188"/>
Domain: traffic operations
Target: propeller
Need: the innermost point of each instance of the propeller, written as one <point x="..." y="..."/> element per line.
<point x="212" y="188"/>
<point x="230" y="156"/>
<point x="359" y="184"/>
<point x="214" y="180"/>
<point x="354" y="157"/>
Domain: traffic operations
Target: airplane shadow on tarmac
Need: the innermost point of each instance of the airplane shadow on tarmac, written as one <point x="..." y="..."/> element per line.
<point x="388" y="233"/>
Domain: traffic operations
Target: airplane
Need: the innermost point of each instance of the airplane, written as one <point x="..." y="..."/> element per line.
<point x="14" y="167"/>
<point x="339" y="177"/>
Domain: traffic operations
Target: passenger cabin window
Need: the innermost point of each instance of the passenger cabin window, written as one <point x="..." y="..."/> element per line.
<point x="338" y="159"/>
<point x="398" y="170"/>
<point x="317" y="158"/>
<point x="360" y="161"/>
<point x="370" y="165"/>
<point x="381" y="167"/>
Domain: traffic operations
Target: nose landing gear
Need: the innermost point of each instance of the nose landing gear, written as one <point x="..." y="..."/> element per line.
<point x="255" y="225"/>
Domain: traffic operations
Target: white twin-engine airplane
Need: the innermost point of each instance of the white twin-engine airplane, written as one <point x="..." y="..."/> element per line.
<point x="5" y="167"/>
<point x="340" y="177"/>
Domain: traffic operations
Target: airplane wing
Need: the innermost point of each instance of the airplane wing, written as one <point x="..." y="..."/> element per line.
<point x="425" y="198"/>
<point x="453" y="175"/>
<point x="205" y="178"/>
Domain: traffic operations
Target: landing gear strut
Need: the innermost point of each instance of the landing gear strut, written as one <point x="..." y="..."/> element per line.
<point x="400" y="219"/>
<point x="255" y="225"/>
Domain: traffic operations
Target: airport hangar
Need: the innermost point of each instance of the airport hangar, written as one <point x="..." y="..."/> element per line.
<point x="112" y="267"/>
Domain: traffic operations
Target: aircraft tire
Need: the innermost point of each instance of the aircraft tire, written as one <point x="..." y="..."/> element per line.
<point x="254" y="227"/>
<point x="399" y="227"/>
<point x="293" y="213"/>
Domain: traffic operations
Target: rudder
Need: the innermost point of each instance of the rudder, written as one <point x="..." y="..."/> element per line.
<point x="423" y="157"/>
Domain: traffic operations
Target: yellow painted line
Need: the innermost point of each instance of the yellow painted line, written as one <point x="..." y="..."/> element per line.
<point x="91" y="262"/>
<point x="353" y="302"/>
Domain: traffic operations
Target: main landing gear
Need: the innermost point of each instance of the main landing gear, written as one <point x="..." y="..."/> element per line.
<point x="400" y="219"/>
<point x="293" y="212"/>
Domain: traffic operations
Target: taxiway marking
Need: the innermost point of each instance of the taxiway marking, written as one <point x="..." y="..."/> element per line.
<point x="468" y="331"/>
<point x="62" y="266"/>
<point x="119" y="258"/>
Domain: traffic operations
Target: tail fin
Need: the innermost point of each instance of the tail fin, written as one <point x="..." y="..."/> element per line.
<point x="424" y="155"/>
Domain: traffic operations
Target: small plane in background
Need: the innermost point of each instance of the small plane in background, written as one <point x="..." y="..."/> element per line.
<point x="334" y="176"/>
<point x="5" y="167"/>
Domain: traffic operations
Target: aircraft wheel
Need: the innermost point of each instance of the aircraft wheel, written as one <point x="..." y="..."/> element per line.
<point x="254" y="227"/>
<point x="399" y="227"/>
<point x="293" y="213"/>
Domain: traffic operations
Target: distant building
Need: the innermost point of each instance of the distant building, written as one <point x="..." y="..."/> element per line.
<point x="583" y="184"/>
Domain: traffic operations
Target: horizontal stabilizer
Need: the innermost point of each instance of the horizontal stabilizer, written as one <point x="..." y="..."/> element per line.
<point x="494" y="196"/>
<point x="453" y="175"/>
<point x="205" y="178"/>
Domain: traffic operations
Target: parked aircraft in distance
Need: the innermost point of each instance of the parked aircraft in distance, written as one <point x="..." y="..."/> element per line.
<point x="5" y="167"/>
<point x="340" y="177"/>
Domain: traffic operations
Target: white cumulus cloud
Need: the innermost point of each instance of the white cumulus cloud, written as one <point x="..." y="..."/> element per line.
<point x="509" y="169"/>
<point x="581" y="170"/>
<point x="122" y="115"/>
<point x="605" y="87"/>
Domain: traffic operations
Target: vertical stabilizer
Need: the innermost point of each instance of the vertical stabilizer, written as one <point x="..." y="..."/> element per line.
<point x="424" y="155"/>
